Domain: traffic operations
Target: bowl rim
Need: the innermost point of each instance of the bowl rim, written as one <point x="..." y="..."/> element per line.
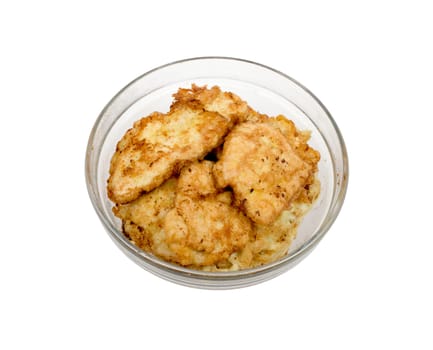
<point x="158" y="263"/>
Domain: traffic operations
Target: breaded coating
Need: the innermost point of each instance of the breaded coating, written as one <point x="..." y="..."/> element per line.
<point x="196" y="180"/>
<point x="270" y="242"/>
<point x="299" y="142"/>
<point x="186" y="221"/>
<point x="143" y="218"/>
<point x="149" y="208"/>
<point x="213" y="184"/>
<point x="150" y="240"/>
<point x="203" y="228"/>
<point x="205" y="231"/>
<point x="227" y="104"/>
<point x="263" y="170"/>
<point x="159" y="145"/>
<point x="273" y="241"/>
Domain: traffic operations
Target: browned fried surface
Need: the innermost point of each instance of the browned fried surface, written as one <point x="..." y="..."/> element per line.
<point x="263" y="170"/>
<point x="186" y="221"/>
<point x="205" y="232"/>
<point x="237" y="209"/>
<point x="160" y="144"/>
<point x="227" y="104"/>
<point x="196" y="180"/>
<point x="272" y="241"/>
<point x="203" y="228"/>
<point x="299" y="142"/>
<point x="269" y="242"/>
<point x="143" y="218"/>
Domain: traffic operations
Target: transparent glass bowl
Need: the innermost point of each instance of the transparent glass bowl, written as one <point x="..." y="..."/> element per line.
<point x="267" y="91"/>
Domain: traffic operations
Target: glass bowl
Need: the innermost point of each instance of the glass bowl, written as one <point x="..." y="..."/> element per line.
<point x="267" y="91"/>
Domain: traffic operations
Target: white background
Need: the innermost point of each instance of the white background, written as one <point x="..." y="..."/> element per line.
<point x="64" y="284"/>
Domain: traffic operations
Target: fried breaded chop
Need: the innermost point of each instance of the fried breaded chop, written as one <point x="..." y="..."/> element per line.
<point x="299" y="142"/>
<point x="205" y="232"/>
<point x="196" y="180"/>
<point x="143" y="218"/>
<point x="273" y="241"/>
<point x="263" y="170"/>
<point x="159" y="145"/>
<point x="225" y="103"/>
<point x="187" y="221"/>
<point x="270" y="242"/>
<point x="203" y="228"/>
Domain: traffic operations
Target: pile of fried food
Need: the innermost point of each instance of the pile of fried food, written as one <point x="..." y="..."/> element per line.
<point x="212" y="184"/>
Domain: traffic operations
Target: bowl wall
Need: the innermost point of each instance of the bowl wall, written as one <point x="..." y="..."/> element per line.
<point x="267" y="91"/>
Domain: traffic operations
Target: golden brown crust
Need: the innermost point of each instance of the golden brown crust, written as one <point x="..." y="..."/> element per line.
<point x="150" y="207"/>
<point x="269" y="243"/>
<point x="203" y="228"/>
<point x="263" y="170"/>
<point x="240" y="212"/>
<point x="143" y="218"/>
<point x="158" y="146"/>
<point x="187" y="221"/>
<point x="196" y="180"/>
<point x="205" y="231"/>
<point x="227" y="104"/>
<point x="299" y="142"/>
